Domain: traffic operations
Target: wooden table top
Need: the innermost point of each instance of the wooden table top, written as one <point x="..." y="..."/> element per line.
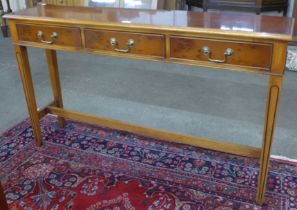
<point x="274" y="27"/>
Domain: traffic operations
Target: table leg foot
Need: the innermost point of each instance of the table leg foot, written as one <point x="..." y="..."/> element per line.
<point x="260" y="201"/>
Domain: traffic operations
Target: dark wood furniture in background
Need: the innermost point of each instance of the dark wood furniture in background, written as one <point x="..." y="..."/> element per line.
<point x="8" y="7"/>
<point x="3" y="203"/>
<point x="4" y="26"/>
<point x="192" y="38"/>
<point x="256" y="6"/>
<point x="33" y="3"/>
<point x="2" y="21"/>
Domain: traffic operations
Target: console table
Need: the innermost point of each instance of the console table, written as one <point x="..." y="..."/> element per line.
<point x="249" y="43"/>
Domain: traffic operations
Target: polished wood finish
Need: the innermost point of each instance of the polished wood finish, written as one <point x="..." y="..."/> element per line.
<point x="259" y="45"/>
<point x="25" y="74"/>
<point x="244" y="54"/>
<point x="65" y="36"/>
<point x="275" y="83"/>
<point x="239" y="25"/>
<point x="3" y="203"/>
<point x="273" y="96"/>
<point x="145" y="44"/>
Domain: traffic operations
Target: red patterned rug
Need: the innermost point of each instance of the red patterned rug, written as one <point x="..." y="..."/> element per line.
<point x="89" y="167"/>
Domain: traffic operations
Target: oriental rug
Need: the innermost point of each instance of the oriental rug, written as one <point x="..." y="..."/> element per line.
<point x="84" y="166"/>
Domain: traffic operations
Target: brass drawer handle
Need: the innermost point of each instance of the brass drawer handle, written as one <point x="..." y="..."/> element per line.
<point x="54" y="36"/>
<point x="114" y="43"/>
<point x="207" y="52"/>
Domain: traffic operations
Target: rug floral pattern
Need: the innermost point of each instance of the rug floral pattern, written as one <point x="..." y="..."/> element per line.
<point x="88" y="167"/>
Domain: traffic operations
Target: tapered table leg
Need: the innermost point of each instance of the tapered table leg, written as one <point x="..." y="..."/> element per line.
<point x="275" y="83"/>
<point x="25" y="74"/>
<point x="51" y="56"/>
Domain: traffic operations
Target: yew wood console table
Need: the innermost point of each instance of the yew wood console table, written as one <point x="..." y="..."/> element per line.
<point x="250" y="43"/>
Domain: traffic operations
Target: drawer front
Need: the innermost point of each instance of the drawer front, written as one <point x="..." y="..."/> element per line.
<point x="124" y="42"/>
<point x="49" y="35"/>
<point x="255" y="55"/>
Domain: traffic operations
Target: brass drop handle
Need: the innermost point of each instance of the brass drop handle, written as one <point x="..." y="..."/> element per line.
<point x="114" y="43"/>
<point x="207" y="52"/>
<point x="54" y="36"/>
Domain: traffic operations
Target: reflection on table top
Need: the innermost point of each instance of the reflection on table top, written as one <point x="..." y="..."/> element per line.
<point x="139" y="4"/>
<point x="242" y="24"/>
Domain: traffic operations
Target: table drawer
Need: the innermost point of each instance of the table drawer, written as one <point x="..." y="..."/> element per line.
<point x="256" y="55"/>
<point x="49" y="35"/>
<point x="125" y="42"/>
